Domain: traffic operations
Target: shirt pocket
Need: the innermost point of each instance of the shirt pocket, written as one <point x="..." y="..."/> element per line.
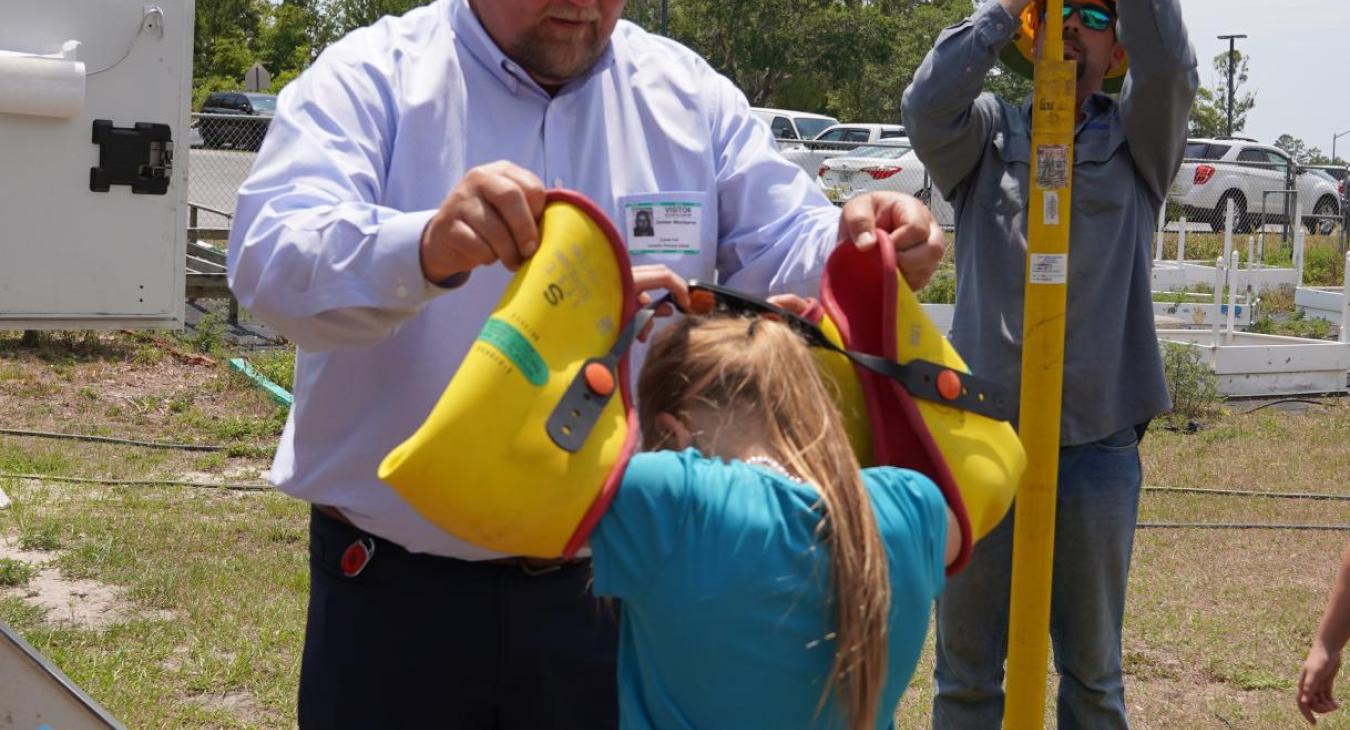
<point x="1101" y="176"/>
<point x="1003" y="189"/>
<point x="677" y="228"/>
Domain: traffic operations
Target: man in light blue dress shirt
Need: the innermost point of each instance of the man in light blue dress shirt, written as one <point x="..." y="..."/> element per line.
<point x="396" y="192"/>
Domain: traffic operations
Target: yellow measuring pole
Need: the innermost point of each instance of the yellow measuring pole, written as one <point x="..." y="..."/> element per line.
<point x="1052" y="123"/>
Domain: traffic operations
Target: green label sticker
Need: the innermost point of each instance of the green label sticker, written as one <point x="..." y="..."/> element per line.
<point x="510" y="342"/>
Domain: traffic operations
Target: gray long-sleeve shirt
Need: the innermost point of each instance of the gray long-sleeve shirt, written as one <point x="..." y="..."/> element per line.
<point x="977" y="148"/>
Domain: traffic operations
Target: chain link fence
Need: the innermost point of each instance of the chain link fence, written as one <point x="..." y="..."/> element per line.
<point x="223" y="149"/>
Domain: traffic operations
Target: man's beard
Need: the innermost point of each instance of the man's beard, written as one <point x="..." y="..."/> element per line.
<point x="556" y="61"/>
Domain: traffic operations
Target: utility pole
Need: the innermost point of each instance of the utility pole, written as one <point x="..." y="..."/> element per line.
<point x="1231" y="60"/>
<point x="1335" y="137"/>
<point x="663" y="17"/>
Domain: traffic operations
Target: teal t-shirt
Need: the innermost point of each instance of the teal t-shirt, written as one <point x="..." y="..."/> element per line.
<point x="726" y="597"/>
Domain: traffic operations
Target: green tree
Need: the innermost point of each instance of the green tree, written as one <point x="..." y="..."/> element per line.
<point x="225" y="31"/>
<point x="1303" y="154"/>
<point x="1293" y="145"/>
<point x="339" y="17"/>
<point x="849" y="58"/>
<point x="1010" y="86"/>
<point x="875" y="93"/>
<point x="286" y="42"/>
<point x="1209" y="114"/>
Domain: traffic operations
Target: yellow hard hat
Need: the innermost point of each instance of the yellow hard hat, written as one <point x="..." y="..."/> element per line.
<point x="1020" y="54"/>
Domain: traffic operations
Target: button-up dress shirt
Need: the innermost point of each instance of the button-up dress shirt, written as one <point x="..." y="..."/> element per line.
<point x="367" y="143"/>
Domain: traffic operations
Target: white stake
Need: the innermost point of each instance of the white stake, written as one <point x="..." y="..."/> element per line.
<point x="1228" y="234"/>
<point x="1181" y="242"/>
<point x="1219" y="277"/>
<point x="1345" y="303"/>
<point x="1228" y="230"/>
<point x="1162" y="220"/>
<point x="1232" y="292"/>
<point x="1251" y="252"/>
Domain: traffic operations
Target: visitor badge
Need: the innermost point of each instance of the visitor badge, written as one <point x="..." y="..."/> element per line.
<point x="664" y="223"/>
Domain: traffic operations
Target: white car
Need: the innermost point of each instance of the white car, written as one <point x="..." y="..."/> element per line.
<point x="838" y="140"/>
<point x="788" y="125"/>
<point x="1247" y="172"/>
<point x="884" y="166"/>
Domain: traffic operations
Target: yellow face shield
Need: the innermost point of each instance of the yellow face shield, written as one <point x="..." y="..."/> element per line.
<point x="928" y="414"/>
<point x="524" y="449"/>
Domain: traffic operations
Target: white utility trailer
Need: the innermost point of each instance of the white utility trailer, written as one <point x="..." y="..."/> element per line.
<point x="94" y="103"/>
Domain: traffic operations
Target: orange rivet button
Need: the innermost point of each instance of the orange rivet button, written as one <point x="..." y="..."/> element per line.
<point x="948" y="384"/>
<point x="599" y="379"/>
<point x="702" y="301"/>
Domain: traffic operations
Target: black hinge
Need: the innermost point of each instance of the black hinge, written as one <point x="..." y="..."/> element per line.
<point x="140" y="156"/>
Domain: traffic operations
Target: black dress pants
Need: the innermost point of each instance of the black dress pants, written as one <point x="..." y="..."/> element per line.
<point x="419" y="641"/>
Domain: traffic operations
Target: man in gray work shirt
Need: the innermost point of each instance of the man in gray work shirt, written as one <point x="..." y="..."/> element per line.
<point x="978" y="150"/>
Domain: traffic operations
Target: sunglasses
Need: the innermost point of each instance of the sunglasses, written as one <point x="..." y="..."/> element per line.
<point x="585" y="398"/>
<point x="1091" y="16"/>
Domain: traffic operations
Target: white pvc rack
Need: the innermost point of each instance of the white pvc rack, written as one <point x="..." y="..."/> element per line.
<point x="1250" y="364"/>
<point x="1331" y="303"/>
<point x="1172" y="275"/>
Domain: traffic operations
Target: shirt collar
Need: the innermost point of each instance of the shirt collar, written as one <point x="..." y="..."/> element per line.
<point x="470" y="32"/>
<point x="1097" y="105"/>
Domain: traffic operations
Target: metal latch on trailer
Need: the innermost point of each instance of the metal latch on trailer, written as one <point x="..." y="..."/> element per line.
<point x="139" y="156"/>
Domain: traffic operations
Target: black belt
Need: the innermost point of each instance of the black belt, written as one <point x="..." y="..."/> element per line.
<point x="362" y="550"/>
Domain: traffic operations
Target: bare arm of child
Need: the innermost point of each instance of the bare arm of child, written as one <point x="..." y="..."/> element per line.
<point x="1324" y="658"/>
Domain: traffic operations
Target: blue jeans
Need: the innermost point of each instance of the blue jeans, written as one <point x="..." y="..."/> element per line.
<point x="1096" y="510"/>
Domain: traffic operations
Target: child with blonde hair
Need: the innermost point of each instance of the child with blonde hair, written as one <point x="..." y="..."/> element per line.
<point x="766" y="580"/>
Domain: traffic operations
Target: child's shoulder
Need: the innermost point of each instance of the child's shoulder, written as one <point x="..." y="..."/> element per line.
<point x="895" y="489"/>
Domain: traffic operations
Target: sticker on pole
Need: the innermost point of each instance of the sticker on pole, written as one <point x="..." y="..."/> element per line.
<point x="1052" y="166"/>
<point x="1049" y="268"/>
<point x="1050" y="208"/>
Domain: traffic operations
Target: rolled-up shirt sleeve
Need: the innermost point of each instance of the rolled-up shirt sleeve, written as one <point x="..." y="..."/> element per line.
<point x="313" y="253"/>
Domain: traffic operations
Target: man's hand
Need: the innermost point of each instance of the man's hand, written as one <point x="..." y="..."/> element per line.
<point x="491" y="215"/>
<point x="656" y="276"/>
<point x="919" y="240"/>
<point x="1315" y="681"/>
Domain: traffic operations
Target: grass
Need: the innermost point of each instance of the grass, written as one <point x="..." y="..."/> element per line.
<point x="216" y="582"/>
<point x="14" y="572"/>
<point x="1218" y="621"/>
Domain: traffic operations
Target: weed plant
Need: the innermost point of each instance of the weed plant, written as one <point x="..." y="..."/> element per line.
<point x="1194" y="388"/>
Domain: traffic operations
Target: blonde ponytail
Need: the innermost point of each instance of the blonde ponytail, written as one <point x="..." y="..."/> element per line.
<point x="760" y="370"/>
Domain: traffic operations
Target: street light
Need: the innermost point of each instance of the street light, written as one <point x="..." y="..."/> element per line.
<point x="1231" y="40"/>
<point x="1335" y="137"/>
